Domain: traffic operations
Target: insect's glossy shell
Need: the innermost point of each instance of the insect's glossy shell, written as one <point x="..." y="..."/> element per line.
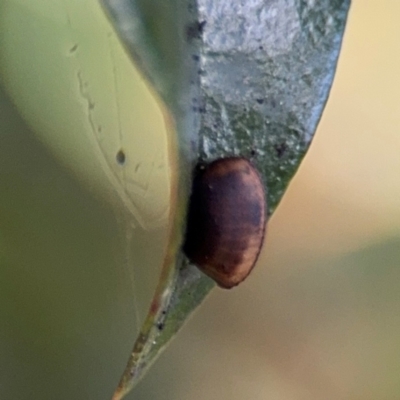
<point x="226" y="220"/>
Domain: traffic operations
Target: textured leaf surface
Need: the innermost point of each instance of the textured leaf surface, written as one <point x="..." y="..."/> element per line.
<point x="242" y="77"/>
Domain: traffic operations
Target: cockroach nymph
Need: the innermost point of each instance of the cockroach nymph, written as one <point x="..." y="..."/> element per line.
<point x="226" y="220"/>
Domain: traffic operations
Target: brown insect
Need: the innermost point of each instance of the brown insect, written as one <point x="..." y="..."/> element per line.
<point x="226" y="220"/>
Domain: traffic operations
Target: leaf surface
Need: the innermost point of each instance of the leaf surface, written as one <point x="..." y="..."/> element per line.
<point x="237" y="77"/>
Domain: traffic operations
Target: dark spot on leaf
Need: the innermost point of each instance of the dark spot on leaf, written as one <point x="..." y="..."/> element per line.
<point x="120" y="157"/>
<point x="280" y="149"/>
<point x="194" y="30"/>
<point x="201" y="26"/>
<point x="160" y="326"/>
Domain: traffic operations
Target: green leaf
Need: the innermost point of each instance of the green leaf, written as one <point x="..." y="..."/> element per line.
<point x="237" y="78"/>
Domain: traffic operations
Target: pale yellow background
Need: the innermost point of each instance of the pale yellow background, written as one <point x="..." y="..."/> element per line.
<point x="318" y="318"/>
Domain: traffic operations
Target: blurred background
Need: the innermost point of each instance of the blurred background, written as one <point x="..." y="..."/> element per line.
<point x="317" y="319"/>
